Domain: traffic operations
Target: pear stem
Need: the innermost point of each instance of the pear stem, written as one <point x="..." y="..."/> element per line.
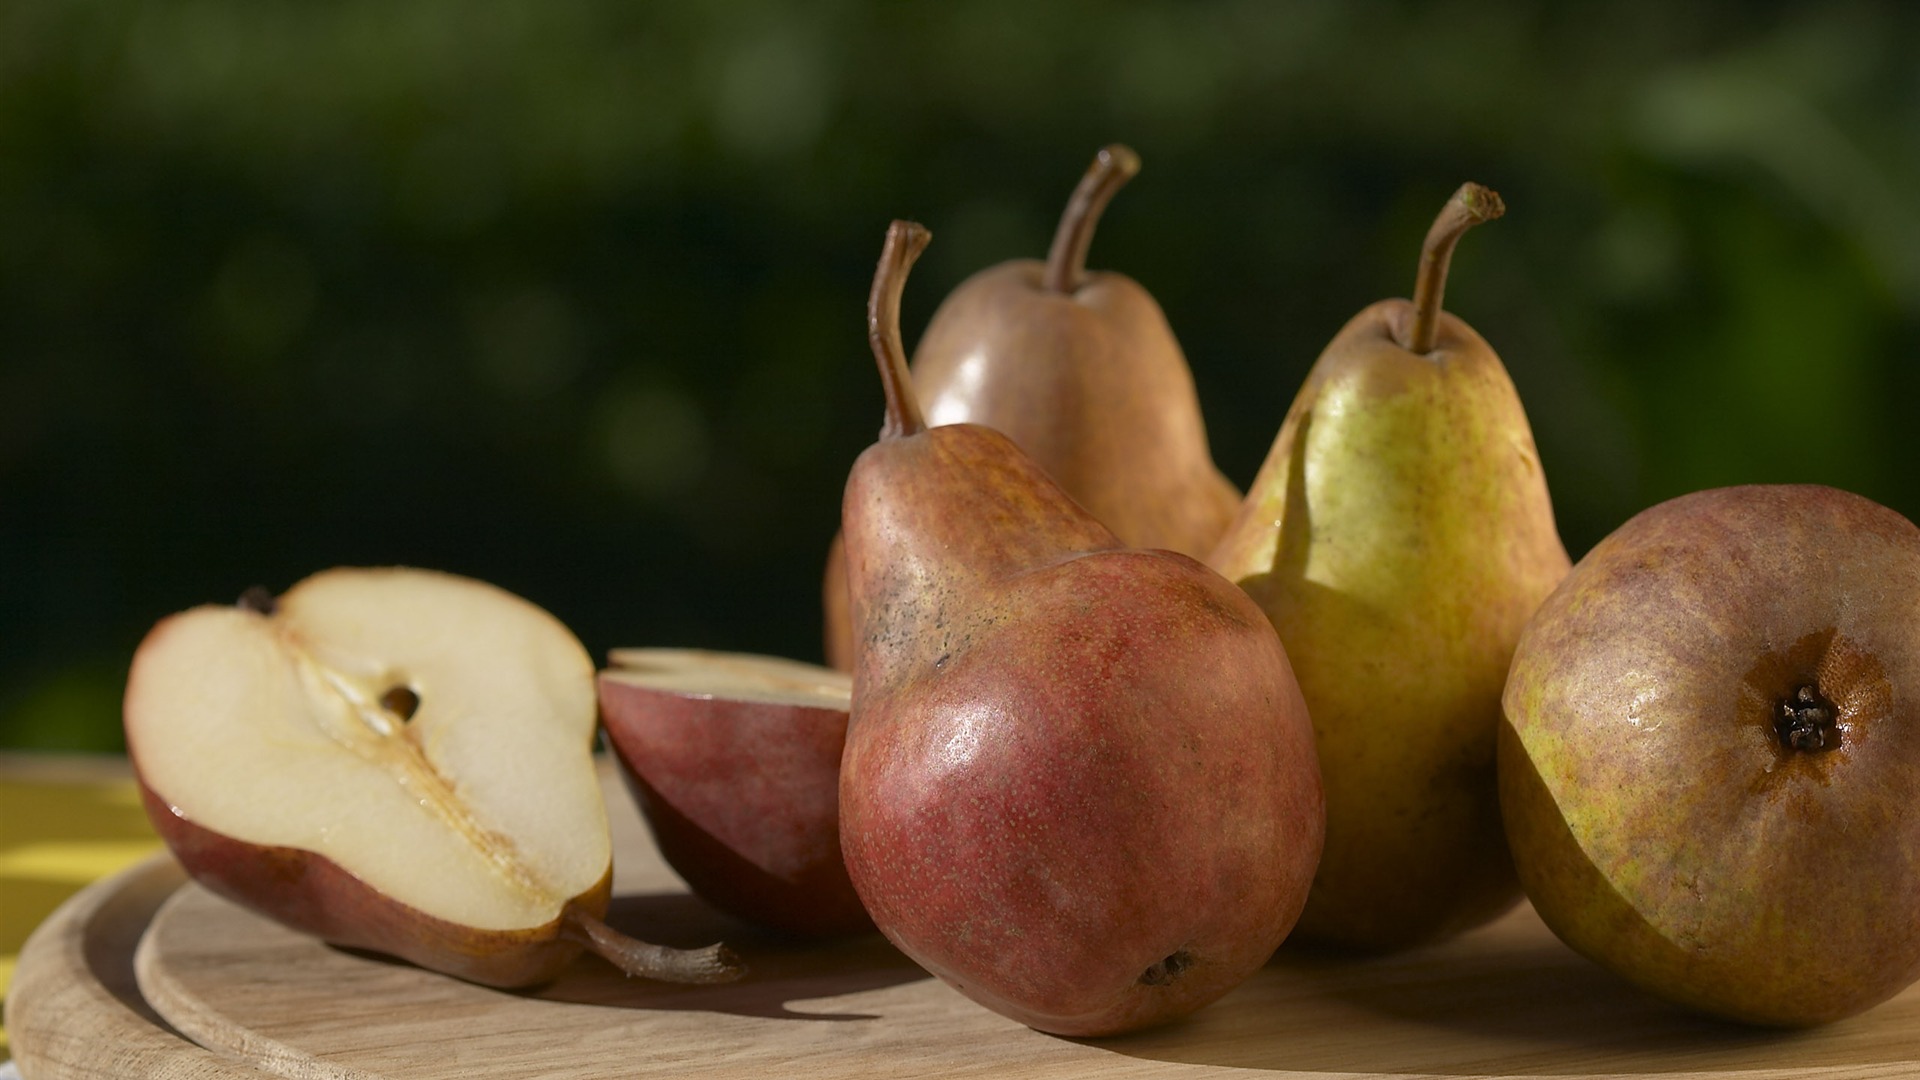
<point x="259" y="600"/>
<point x="905" y="241"/>
<point x="1112" y="167"/>
<point x="713" y="964"/>
<point x="1470" y="206"/>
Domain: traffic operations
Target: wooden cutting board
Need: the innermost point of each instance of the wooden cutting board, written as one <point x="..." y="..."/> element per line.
<point x="1508" y="1000"/>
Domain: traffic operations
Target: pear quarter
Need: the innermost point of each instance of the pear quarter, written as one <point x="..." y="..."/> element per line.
<point x="1658" y="821"/>
<point x="735" y="762"/>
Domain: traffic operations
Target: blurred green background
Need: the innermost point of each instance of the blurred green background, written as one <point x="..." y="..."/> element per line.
<point x="569" y="295"/>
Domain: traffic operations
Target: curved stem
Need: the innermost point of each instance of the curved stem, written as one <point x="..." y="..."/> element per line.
<point x="1112" y="167"/>
<point x="713" y="964"/>
<point x="905" y="241"/>
<point x="1470" y="206"/>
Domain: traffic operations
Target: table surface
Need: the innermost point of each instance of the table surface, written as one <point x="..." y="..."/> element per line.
<point x="65" y="821"/>
<point x="1504" y="1000"/>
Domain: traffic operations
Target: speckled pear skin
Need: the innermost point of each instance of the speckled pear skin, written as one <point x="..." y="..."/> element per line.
<point x="1399" y="536"/>
<point x="1658" y="821"/>
<point x="1079" y="783"/>
<point x="1094" y="387"/>
<point x="1081" y="370"/>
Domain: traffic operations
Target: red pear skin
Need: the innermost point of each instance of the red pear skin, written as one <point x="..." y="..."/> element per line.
<point x="743" y="800"/>
<point x="312" y="894"/>
<point x="1667" y="819"/>
<point x="1081" y="370"/>
<point x="1079" y="783"/>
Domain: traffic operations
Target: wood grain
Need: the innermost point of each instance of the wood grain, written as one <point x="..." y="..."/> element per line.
<point x="1508" y="1000"/>
<point x="74" y="1011"/>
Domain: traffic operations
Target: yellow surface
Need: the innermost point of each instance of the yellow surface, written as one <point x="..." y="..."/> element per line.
<point x="62" y="824"/>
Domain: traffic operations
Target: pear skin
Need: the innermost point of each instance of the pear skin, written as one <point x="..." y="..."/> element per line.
<point x="392" y="759"/>
<point x="314" y="895"/>
<point x="1711" y="750"/>
<point x="1081" y="370"/>
<point x="734" y="760"/>
<point x="1399" y="536"/>
<point x="1079" y="782"/>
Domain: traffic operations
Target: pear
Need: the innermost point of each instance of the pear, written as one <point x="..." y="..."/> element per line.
<point x="734" y="760"/>
<point x="391" y="759"/>
<point x="1399" y="535"/>
<point x="1079" y="782"/>
<point x="1081" y="371"/>
<point x="1711" y="749"/>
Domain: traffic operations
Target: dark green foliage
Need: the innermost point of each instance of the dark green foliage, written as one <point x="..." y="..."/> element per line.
<point x="570" y="296"/>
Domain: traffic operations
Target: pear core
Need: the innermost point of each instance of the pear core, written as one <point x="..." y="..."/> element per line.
<point x="364" y="719"/>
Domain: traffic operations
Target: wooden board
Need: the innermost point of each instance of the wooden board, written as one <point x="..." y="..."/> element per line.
<point x="1508" y="1000"/>
<point x="74" y="1011"/>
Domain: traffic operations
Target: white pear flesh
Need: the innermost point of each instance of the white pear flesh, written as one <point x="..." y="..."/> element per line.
<point x="770" y="680"/>
<point x="277" y="729"/>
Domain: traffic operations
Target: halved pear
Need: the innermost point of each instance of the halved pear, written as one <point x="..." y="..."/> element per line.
<point x="735" y="760"/>
<point x="391" y="759"/>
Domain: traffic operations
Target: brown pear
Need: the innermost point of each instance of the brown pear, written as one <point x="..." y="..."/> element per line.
<point x="1081" y="371"/>
<point x="1079" y="781"/>
<point x="1399" y="536"/>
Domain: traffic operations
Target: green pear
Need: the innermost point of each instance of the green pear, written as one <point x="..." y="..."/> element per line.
<point x="1711" y="752"/>
<point x="1399" y="536"/>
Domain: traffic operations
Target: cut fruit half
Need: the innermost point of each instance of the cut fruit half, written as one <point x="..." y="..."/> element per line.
<point x="735" y="761"/>
<point x="391" y="759"/>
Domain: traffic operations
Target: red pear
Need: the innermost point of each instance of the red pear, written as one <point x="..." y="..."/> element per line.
<point x="1079" y="783"/>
